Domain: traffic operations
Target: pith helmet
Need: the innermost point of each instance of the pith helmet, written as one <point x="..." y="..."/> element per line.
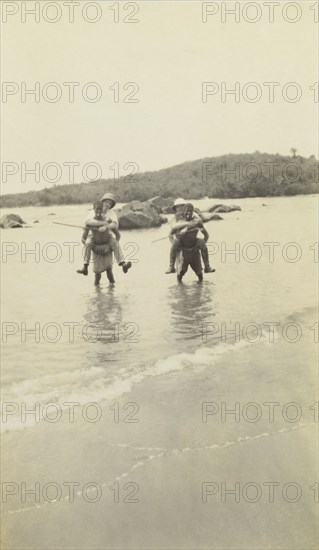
<point x="110" y="197"/>
<point x="179" y="202"/>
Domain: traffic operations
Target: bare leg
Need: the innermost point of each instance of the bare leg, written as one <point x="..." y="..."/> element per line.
<point x="204" y="253"/>
<point x="183" y="270"/>
<point x="110" y="276"/>
<point x="196" y="264"/>
<point x="87" y="257"/>
<point x="97" y="279"/>
<point x="175" y="248"/>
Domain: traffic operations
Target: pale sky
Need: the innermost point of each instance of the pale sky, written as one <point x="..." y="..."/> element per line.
<point x="168" y="54"/>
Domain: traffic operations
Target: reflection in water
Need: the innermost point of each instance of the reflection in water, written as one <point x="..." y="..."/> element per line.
<point x="115" y="340"/>
<point x="104" y="308"/>
<point x="191" y="306"/>
<point x="169" y="316"/>
<point x="104" y="316"/>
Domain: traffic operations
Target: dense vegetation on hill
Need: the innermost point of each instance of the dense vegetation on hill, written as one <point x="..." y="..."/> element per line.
<point x="227" y="176"/>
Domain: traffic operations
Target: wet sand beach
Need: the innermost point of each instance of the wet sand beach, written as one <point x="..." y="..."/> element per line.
<point x="182" y="452"/>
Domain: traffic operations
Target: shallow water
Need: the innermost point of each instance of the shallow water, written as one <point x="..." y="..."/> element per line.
<point x="92" y="344"/>
<point x="154" y="353"/>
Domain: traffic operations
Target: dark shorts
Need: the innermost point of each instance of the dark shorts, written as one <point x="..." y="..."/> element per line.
<point x="191" y="257"/>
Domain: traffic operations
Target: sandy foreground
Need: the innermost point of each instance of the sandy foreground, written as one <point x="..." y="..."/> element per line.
<point x="163" y="481"/>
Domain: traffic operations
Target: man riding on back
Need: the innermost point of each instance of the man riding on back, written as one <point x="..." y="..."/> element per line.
<point x="193" y="221"/>
<point x="111" y="226"/>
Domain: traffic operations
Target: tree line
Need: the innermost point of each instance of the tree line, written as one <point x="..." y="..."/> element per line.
<point x="225" y="177"/>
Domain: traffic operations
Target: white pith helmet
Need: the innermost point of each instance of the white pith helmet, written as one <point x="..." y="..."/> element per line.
<point x="179" y="202"/>
<point x="109" y="197"/>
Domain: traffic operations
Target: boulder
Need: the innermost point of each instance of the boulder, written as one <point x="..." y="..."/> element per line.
<point x="139" y="215"/>
<point x="223" y="208"/>
<point x="9" y="221"/>
<point x="162" y="204"/>
<point x="208" y="216"/>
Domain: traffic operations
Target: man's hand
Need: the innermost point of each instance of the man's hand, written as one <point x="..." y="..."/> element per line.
<point x="103" y="228"/>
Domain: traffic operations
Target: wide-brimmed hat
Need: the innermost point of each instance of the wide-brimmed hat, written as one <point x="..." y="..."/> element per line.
<point x="109" y="197"/>
<point x="179" y="202"/>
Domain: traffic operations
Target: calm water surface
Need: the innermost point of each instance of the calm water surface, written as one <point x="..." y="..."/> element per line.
<point x="92" y="344"/>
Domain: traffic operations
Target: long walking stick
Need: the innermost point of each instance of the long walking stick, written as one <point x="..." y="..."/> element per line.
<point x="92" y="227"/>
<point x="69" y="225"/>
<point x="167" y="236"/>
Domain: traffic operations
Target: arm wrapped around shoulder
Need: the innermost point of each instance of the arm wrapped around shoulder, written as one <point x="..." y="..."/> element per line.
<point x="196" y="222"/>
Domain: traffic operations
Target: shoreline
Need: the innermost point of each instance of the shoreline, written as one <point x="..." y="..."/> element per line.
<point x="218" y="200"/>
<point x="168" y="455"/>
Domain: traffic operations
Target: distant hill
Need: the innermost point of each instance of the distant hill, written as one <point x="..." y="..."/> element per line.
<point x="227" y="176"/>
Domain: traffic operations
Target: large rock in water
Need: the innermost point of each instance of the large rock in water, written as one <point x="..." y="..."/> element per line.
<point x="10" y="221"/>
<point x="139" y="215"/>
<point x="208" y="216"/>
<point x="223" y="208"/>
<point x="162" y="204"/>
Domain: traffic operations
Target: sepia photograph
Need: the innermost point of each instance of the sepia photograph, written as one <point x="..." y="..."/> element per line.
<point x="159" y="224"/>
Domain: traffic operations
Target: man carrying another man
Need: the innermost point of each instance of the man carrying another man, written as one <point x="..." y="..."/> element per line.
<point x="111" y="226"/>
<point x="187" y="220"/>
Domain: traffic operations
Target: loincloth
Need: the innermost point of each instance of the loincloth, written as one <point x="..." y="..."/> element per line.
<point x="101" y="249"/>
